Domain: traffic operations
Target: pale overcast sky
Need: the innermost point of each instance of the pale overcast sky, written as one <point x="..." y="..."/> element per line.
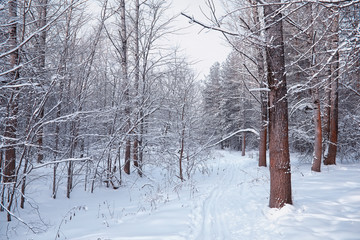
<point x="200" y="45"/>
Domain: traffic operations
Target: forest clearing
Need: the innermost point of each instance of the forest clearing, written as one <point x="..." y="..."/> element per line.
<point x="227" y="201"/>
<point x="182" y="119"/>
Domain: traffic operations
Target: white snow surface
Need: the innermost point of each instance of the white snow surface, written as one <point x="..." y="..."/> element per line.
<point x="228" y="201"/>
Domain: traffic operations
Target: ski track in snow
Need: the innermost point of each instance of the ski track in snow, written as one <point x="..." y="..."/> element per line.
<point x="219" y="215"/>
<point x="213" y="213"/>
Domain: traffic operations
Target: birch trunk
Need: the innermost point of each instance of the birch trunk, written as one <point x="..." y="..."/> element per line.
<point x="124" y="67"/>
<point x="316" y="163"/>
<point x="136" y="85"/>
<point x="318" y="132"/>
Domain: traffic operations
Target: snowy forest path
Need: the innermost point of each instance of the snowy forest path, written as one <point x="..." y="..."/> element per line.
<point x="219" y="215"/>
<point x="213" y="220"/>
<point x="230" y="202"/>
<point x="233" y="202"/>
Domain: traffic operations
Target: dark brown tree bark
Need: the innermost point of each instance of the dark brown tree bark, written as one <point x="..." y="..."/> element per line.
<point x="127" y="157"/>
<point x="11" y="108"/>
<point x="12" y="105"/>
<point x="42" y="44"/>
<point x="10" y="135"/>
<point x="243" y="144"/>
<point x="135" y="153"/>
<point x="280" y="172"/>
<point x="330" y="155"/>
<point x="263" y="94"/>
<point x="263" y="131"/>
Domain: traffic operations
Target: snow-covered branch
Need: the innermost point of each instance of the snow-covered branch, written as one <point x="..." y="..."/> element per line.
<point x="204" y="25"/>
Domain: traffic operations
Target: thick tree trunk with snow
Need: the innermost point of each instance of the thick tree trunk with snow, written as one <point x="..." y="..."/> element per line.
<point x="280" y="173"/>
<point x="330" y="157"/>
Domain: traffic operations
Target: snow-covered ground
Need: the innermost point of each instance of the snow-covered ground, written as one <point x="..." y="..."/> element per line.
<point x="229" y="201"/>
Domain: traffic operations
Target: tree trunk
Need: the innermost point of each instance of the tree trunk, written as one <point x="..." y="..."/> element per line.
<point x="40" y="137"/>
<point x="141" y="141"/>
<point x="135" y="153"/>
<point x="244" y="125"/>
<point x="10" y="135"/>
<point x="73" y="143"/>
<point x="316" y="164"/>
<point x="181" y="176"/>
<point x="124" y="67"/>
<point x="263" y="131"/>
<point x="243" y="144"/>
<point x="182" y="143"/>
<point x="2" y="197"/>
<point x="280" y="173"/>
<point x="326" y="116"/>
<point x="136" y="85"/>
<point x="12" y="106"/>
<point x="263" y="94"/>
<point x="69" y="179"/>
<point x="1" y="165"/>
<point x="127" y="156"/>
<point x="70" y="170"/>
<point x="330" y="158"/>
<point x="42" y="45"/>
<point x="23" y="185"/>
<point x="62" y="71"/>
<point x="57" y="138"/>
<point x="2" y="181"/>
<point x="108" y="170"/>
<point x="318" y="132"/>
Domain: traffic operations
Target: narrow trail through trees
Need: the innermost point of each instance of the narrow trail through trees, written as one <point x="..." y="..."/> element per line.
<point x="218" y="215"/>
<point x="233" y="203"/>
